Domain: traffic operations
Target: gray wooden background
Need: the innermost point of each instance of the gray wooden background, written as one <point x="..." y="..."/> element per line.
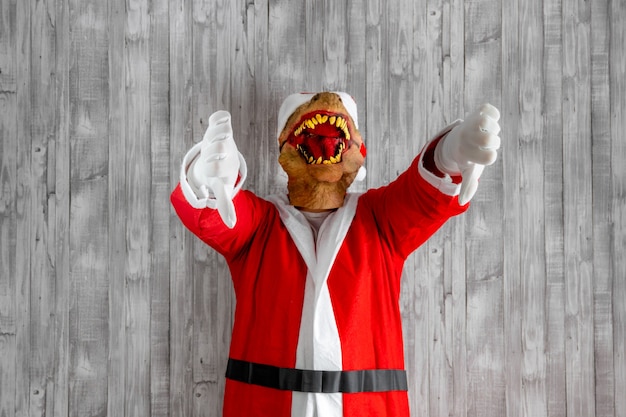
<point x="108" y="307"/>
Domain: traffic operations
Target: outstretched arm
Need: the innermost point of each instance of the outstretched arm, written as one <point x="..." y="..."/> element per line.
<point x="208" y="198"/>
<point x="414" y="206"/>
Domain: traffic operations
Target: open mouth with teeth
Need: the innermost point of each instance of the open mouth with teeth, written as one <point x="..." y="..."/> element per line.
<point x="321" y="137"/>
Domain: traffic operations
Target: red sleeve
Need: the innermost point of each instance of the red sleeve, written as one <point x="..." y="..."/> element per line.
<point x="410" y="209"/>
<point x="207" y="224"/>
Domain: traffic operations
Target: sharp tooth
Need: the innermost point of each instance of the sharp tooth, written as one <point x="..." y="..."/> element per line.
<point x="344" y="123"/>
<point x="324" y="118"/>
<point x="310" y="124"/>
<point x="333" y="160"/>
<point x="348" y="135"/>
<point x="332" y="120"/>
<point x="327" y="162"/>
<point x="314" y="121"/>
<point x="310" y="160"/>
<point x="318" y="117"/>
<point x="319" y="160"/>
<point x="339" y="122"/>
<point x="338" y="157"/>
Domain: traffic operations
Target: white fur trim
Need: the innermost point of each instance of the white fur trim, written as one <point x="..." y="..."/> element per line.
<point x="445" y="184"/>
<point x="294" y="101"/>
<point x="200" y="202"/>
<point x="319" y="346"/>
<point x="360" y="176"/>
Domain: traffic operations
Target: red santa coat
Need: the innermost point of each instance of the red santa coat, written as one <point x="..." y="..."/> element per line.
<point x="326" y="303"/>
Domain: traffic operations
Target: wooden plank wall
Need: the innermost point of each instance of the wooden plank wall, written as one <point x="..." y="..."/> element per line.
<point x="109" y="307"/>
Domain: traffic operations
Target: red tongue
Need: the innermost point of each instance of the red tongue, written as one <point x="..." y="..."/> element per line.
<point x="324" y="141"/>
<point x="322" y="146"/>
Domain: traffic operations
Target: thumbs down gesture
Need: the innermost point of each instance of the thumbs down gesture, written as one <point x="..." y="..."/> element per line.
<point x="214" y="172"/>
<point x="469" y="147"/>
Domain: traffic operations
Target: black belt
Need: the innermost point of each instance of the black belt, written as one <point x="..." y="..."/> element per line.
<point x="303" y="380"/>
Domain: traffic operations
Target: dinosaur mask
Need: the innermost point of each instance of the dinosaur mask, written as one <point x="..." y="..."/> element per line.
<point x="321" y="149"/>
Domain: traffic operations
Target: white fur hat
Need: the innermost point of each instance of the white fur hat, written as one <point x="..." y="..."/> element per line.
<point x="294" y="101"/>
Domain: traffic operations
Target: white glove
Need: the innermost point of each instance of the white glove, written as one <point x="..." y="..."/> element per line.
<point x="214" y="172"/>
<point x="468" y="147"/>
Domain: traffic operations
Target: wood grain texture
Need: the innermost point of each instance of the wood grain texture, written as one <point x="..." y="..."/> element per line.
<point x="88" y="295"/>
<point x="577" y="201"/>
<point x="553" y="207"/>
<point x="513" y="195"/>
<point x="108" y="306"/>
<point x="601" y="171"/>
<point x="41" y="216"/>
<point x="617" y="84"/>
<point x="160" y="218"/>
<point x="60" y="376"/>
<point x="532" y="237"/>
<point x="22" y="198"/>
<point x="117" y="208"/>
<point x="138" y="225"/>
<point x="8" y="206"/>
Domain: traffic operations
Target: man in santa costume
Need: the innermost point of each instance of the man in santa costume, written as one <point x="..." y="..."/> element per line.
<point x="317" y="271"/>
